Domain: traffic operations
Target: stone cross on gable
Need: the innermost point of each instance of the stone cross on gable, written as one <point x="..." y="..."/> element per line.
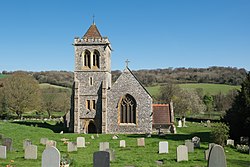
<point x="127" y="61"/>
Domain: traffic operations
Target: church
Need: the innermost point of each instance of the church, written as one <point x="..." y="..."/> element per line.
<point x="98" y="105"/>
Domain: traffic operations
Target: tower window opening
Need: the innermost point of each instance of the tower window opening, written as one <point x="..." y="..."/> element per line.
<point x="86" y="60"/>
<point x="96" y="59"/>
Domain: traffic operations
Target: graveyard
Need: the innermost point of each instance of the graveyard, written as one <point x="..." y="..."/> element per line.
<point x="125" y="150"/>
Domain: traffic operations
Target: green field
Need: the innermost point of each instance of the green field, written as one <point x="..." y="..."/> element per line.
<point x="132" y="155"/>
<point x="47" y="85"/>
<point x="211" y="89"/>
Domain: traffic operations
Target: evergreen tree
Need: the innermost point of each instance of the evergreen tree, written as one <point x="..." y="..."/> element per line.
<point x="238" y="117"/>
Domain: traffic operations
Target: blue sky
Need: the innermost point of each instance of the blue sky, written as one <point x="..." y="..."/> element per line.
<point x="38" y="35"/>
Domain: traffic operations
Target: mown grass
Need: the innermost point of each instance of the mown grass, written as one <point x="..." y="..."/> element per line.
<point x="211" y="89"/>
<point x="47" y="85"/>
<point x="131" y="155"/>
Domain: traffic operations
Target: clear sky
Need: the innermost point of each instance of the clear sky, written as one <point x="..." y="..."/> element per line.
<point x="37" y="35"/>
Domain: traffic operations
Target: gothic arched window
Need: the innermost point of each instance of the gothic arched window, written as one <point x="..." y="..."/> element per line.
<point x="127" y="107"/>
<point x="96" y="59"/>
<point x="86" y="59"/>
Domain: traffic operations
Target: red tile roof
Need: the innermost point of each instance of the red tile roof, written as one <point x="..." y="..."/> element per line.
<point x="92" y="32"/>
<point x="161" y="114"/>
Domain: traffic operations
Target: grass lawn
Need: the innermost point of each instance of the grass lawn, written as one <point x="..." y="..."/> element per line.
<point x="131" y="155"/>
<point x="3" y="76"/>
<point x="47" y="85"/>
<point x="211" y="89"/>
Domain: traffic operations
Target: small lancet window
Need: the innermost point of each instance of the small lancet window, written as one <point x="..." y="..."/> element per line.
<point x="96" y="59"/>
<point x="93" y="105"/>
<point x="88" y="104"/>
<point x="86" y="59"/>
<point x="127" y="107"/>
<point x="91" y="81"/>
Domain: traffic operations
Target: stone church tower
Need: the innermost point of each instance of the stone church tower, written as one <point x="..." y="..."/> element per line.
<point x="98" y="107"/>
<point x="92" y="79"/>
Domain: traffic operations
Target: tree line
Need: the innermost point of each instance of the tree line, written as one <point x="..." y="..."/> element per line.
<point x="218" y="75"/>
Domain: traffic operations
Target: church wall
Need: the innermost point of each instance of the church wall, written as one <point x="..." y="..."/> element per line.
<point x="127" y="84"/>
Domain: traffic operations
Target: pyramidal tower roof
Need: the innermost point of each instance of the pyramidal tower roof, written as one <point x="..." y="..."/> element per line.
<point x="92" y="32"/>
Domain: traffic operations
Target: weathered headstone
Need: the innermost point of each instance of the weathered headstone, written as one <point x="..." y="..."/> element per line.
<point x="122" y="143"/>
<point x="26" y="143"/>
<point x="8" y="143"/>
<point x="163" y="147"/>
<point x="244" y="140"/>
<point x="50" y="143"/>
<point x="182" y="153"/>
<point x="179" y="123"/>
<point x="51" y="157"/>
<point x="206" y="154"/>
<point x="30" y="152"/>
<point x="3" y="154"/>
<point x="210" y="145"/>
<point x="141" y="142"/>
<point x="230" y="142"/>
<point x="190" y="145"/>
<point x="111" y="154"/>
<point x="209" y="123"/>
<point x="72" y="146"/>
<point x="103" y="146"/>
<point x="196" y="140"/>
<point x="80" y="142"/>
<point x="92" y="137"/>
<point x="183" y="122"/>
<point x="43" y="141"/>
<point x="217" y="157"/>
<point x="101" y="159"/>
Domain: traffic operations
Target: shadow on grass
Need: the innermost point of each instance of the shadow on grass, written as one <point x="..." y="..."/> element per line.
<point x="57" y="128"/>
<point x="239" y="162"/>
<point x="204" y="136"/>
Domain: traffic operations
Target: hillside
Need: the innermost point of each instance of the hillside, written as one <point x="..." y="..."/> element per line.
<point x="216" y="75"/>
<point x="211" y="89"/>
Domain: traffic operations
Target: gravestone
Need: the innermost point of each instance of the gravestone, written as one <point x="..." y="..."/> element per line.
<point x="51" y="157"/>
<point x="210" y="145"/>
<point x="141" y="142"/>
<point x="101" y="159"/>
<point x="50" y="143"/>
<point x="230" y="142"/>
<point x="179" y="123"/>
<point x="80" y="142"/>
<point x="163" y="147"/>
<point x="92" y="137"/>
<point x="206" y="154"/>
<point x="3" y="154"/>
<point x="184" y="122"/>
<point x="43" y="141"/>
<point x="244" y="140"/>
<point x="30" y="152"/>
<point x="103" y="146"/>
<point x="8" y="143"/>
<point x="196" y="140"/>
<point x="190" y="145"/>
<point x="122" y="143"/>
<point x="217" y="157"/>
<point x="26" y="143"/>
<point x="111" y="154"/>
<point x="209" y="123"/>
<point x="72" y="146"/>
<point x="182" y="153"/>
